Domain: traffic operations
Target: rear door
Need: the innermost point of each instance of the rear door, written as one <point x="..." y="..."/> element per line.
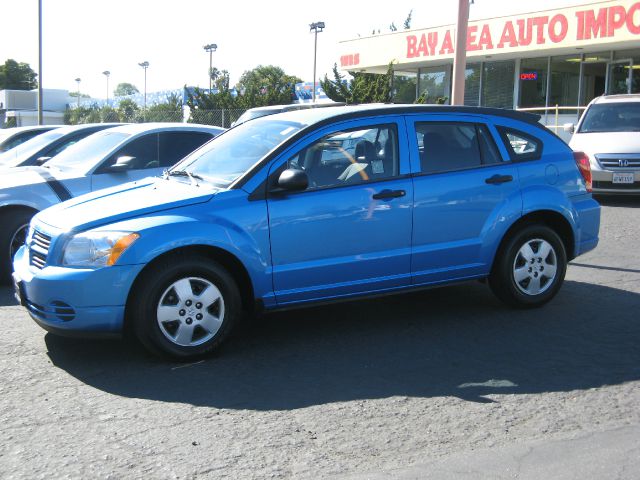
<point x="465" y="189"/>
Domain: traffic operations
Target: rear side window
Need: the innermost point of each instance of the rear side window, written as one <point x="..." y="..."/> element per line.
<point x="451" y="146"/>
<point x="175" y="146"/>
<point x="143" y="149"/>
<point x="520" y="145"/>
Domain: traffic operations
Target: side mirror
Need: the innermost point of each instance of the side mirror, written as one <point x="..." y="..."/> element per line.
<point x="569" y="127"/>
<point x="293" y="180"/>
<point x="41" y="160"/>
<point x="122" y="164"/>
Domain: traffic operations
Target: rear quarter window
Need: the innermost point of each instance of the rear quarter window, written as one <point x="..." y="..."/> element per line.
<point x="520" y="145"/>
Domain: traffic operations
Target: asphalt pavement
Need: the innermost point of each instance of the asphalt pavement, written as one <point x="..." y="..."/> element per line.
<point x="446" y="383"/>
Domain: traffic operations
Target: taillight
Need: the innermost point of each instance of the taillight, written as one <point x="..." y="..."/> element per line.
<point x="582" y="161"/>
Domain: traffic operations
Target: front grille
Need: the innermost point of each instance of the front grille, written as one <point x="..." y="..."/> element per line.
<point x="622" y="161"/>
<point x="39" y="249"/>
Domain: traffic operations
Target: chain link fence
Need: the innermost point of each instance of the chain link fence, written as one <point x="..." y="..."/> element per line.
<point x="221" y="117"/>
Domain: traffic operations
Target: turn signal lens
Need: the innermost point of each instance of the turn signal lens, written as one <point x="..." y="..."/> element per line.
<point x="120" y="246"/>
<point x="582" y="161"/>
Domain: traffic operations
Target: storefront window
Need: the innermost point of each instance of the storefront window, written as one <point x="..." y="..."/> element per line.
<point x="533" y="82"/>
<point x="634" y="64"/>
<point x="472" y="85"/>
<point x="435" y="84"/>
<point x="565" y="79"/>
<point x="404" y="87"/>
<point x="497" y="84"/>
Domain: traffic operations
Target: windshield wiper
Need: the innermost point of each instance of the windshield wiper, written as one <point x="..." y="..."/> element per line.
<point x="194" y="177"/>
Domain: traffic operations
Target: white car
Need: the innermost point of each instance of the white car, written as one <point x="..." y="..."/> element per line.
<point x="107" y="158"/>
<point x="609" y="133"/>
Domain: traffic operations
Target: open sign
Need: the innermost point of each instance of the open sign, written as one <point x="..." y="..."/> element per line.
<point x="529" y="76"/>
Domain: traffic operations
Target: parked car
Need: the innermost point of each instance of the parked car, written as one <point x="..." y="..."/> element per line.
<point x="609" y="133"/>
<point x="46" y="146"/>
<point x="255" y="220"/>
<point x="258" y="112"/>
<point x="110" y="157"/>
<point x="12" y="137"/>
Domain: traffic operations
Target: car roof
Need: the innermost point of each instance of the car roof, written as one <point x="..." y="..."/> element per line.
<point x="317" y="115"/>
<point x="136" y="128"/>
<point x="620" y="98"/>
<point x="30" y="128"/>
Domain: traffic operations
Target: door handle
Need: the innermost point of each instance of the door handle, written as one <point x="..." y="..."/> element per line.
<point x="389" y="194"/>
<point x="498" y="179"/>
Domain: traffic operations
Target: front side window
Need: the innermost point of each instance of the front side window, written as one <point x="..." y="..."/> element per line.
<point x="144" y="151"/>
<point x="350" y="157"/>
<point x="447" y="146"/>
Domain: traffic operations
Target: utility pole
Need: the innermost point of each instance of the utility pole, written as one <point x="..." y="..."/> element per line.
<point x="460" y="60"/>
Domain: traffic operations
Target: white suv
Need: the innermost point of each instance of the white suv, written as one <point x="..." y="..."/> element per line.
<point x="609" y="133"/>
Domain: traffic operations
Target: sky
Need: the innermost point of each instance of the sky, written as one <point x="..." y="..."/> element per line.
<point x="83" y="38"/>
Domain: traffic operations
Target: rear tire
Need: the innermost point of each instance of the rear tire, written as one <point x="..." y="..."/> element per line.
<point x="184" y="306"/>
<point x="15" y="224"/>
<point x="529" y="268"/>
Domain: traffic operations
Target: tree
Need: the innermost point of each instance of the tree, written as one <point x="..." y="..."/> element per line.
<point x="17" y="76"/>
<point x="169" y="111"/>
<point x="128" y="110"/>
<point x="266" y="85"/>
<point x="363" y="88"/>
<point x="124" y="89"/>
<point x="407" y="22"/>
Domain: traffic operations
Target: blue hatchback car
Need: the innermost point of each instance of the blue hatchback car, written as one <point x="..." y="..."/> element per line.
<point x="310" y="206"/>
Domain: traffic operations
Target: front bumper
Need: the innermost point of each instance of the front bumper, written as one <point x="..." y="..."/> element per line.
<point x="73" y="301"/>
<point x="603" y="182"/>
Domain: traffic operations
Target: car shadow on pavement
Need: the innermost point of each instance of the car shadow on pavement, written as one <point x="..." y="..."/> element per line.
<point x="628" y="201"/>
<point x="457" y="341"/>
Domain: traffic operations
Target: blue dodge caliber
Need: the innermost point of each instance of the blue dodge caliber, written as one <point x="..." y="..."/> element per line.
<point x="310" y="206"/>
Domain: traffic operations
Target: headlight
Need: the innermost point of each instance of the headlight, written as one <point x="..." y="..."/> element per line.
<point x="97" y="249"/>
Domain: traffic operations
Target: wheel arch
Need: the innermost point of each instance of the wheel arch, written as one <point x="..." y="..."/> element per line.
<point x="552" y="219"/>
<point x="226" y="259"/>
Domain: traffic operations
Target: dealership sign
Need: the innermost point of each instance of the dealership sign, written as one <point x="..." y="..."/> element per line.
<point x="600" y="23"/>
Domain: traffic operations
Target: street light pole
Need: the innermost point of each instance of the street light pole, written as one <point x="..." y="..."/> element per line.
<point x="106" y="73"/>
<point x="145" y="65"/>
<point x="40" y="62"/>
<point x="78" y="80"/>
<point x="212" y="47"/>
<point x="316" y="26"/>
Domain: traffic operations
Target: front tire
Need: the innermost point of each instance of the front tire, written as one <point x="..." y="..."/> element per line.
<point x="530" y="268"/>
<point x="184" y="306"/>
<point x="15" y="224"/>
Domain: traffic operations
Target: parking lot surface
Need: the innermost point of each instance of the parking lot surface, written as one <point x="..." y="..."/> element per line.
<point x="447" y="382"/>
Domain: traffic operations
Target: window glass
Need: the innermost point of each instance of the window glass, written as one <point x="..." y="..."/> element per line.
<point x="350" y="157"/>
<point x="533" y="82"/>
<point x="521" y="146"/>
<point x="612" y="117"/>
<point x="435" y="84"/>
<point x="497" y="84"/>
<point x="144" y="150"/>
<point x="174" y="146"/>
<point x="565" y="79"/>
<point x="488" y="149"/>
<point x="447" y="146"/>
<point x="472" y="84"/>
<point x="404" y="87"/>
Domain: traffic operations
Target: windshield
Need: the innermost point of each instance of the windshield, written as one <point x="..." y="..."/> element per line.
<point x="25" y="150"/>
<point x="612" y="117"/>
<point x="88" y="151"/>
<point x="227" y="157"/>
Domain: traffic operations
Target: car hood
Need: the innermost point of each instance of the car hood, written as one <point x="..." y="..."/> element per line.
<point x="21" y="176"/>
<point x="606" y="142"/>
<point x="125" y="201"/>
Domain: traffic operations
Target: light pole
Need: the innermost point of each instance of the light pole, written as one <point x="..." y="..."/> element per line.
<point x="40" y="100"/>
<point x="316" y="26"/>
<point x="212" y="47"/>
<point x="78" y="80"/>
<point x="145" y="65"/>
<point x="106" y="73"/>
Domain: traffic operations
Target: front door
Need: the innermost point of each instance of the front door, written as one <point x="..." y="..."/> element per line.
<point x="350" y="230"/>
